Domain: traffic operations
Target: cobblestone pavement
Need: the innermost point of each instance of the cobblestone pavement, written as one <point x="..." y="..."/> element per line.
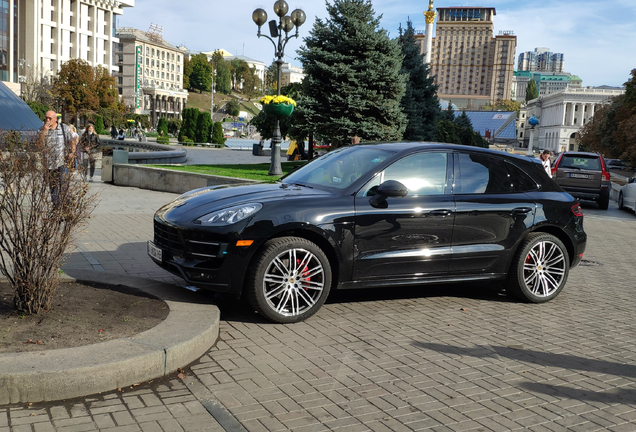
<point x="459" y="357"/>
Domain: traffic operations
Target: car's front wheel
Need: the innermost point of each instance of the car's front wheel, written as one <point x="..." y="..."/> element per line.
<point x="539" y="270"/>
<point x="621" y="203"/>
<point x="290" y="280"/>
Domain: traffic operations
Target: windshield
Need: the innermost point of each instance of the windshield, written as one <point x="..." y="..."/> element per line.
<point x="339" y="168"/>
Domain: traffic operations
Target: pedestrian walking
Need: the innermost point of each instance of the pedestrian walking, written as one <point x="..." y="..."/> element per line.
<point x="89" y="144"/>
<point x="60" y="141"/>
<point x="545" y="161"/>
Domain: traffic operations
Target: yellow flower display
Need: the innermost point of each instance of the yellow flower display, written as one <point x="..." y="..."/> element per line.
<point x="266" y="100"/>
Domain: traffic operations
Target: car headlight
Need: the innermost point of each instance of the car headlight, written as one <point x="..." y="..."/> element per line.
<point x="230" y="215"/>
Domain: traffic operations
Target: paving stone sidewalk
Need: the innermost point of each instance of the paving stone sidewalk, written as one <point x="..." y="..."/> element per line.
<point x="462" y="357"/>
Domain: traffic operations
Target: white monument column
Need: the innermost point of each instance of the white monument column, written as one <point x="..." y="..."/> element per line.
<point x="428" y="36"/>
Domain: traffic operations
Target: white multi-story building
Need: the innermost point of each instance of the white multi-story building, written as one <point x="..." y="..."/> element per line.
<point x="150" y="73"/>
<point x="43" y="34"/>
<point x="290" y="74"/>
<point x="561" y="115"/>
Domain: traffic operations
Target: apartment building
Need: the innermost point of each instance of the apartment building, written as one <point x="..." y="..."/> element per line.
<point x="43" y="34"/>
<point x="150" y="73"/>
<point x="541" y="60"/>
<point x="471" y="66"/>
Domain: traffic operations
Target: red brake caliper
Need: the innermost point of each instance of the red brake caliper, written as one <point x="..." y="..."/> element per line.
<point x="306" y="272"/>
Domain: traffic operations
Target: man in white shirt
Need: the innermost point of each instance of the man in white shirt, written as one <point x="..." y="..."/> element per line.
<point x="61" y="139"/>
<point x="545" y="161"/>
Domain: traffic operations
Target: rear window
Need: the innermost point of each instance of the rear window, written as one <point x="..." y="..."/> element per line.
<point x="581" y="162"/>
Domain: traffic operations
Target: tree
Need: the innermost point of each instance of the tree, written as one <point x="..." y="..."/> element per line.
<point x="162" y="127"/>
<point x="187" y="70"/>
<point x="420" y="102"/>
<point x="531" y="91"/>
<point x="201" y="73"/>
<point x="271" y="79"/>
<point x="189" y="125"/>
<point x="37" y="86"/>
<point x="81" y="88"/>
<point x="503" y="105"/>
<point x="252" y="84"/>
<point x="74" y="86"/>
<point x="173" y="126"/>
<point x="233" y="108"/>
<point x="612" y="130"/>
<point x="38" y="108"/>
<point x="217" y="134"/>
<point x="99" y="124"/>
<point x="449" y="113"/>
<point x="223" y="77"/>
<point x="352" y="84"/>
<point x="463" y="121"/>
<point x="204" y="127"/>
<point x="35" y="230"/>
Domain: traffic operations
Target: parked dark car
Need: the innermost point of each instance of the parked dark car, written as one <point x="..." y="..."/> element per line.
<point x="375" y="216"/>
<point x="584" y="176"/>
<point x="616" y="164"/>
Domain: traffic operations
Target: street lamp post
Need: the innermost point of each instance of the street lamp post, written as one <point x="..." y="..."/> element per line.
<point x="285" y="23"/>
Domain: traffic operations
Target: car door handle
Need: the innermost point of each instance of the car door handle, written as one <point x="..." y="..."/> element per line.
<point x="440" y="213"/>
<point x="521" y="210"/>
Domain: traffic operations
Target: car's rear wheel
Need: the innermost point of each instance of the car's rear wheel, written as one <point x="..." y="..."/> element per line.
<point x="290" y="280"/>
<point x="603" y="202"/>
<point x="539" y="270"/>
<point x="621" y="203"/>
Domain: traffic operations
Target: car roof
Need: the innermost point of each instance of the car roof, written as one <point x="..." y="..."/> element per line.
<point x="571" y="153"/>
<point x="411" y="146"/>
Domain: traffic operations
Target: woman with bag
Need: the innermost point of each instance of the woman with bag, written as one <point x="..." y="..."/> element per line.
<point x="89" y="144"/>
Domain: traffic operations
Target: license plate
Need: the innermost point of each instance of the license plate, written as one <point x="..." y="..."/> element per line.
<point x="154" y="251"/>
<point x="579" y="175"/>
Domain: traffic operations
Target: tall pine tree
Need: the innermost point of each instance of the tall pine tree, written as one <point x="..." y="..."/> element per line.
<point x="420" y="102"/>
<point x="352" y="84"/>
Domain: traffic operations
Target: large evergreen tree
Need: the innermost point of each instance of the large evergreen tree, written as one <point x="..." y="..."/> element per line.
<point x="189" y="124"/>
<point x="531" y="90"/>
<point x="352" y="84"/>
<point x="204" y="127"/>
<point x="201" y="73"/>
<point x="420" y="102"/>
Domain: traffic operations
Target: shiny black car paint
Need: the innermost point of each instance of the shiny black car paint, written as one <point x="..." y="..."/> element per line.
<point x="441" y="238"/>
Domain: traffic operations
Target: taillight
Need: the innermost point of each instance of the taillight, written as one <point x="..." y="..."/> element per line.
<point x="576" y="209"/>
<point x="606" y="174"/>
<point x="556" y="165"/>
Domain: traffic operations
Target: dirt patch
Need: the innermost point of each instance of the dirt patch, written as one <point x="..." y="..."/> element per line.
<point x="81" y="314"/>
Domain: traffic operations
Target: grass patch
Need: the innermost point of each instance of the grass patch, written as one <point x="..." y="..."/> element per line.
<point x="244" y="171"/>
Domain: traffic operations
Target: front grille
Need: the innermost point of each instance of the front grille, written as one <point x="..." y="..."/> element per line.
<point x="167" y="237"/>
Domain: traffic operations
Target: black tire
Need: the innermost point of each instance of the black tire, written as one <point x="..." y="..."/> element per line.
<point x="289" y="280"/>
<point x="539" y="269"/>
<point x="621" y="203"/>
<point x="603" y="202"/>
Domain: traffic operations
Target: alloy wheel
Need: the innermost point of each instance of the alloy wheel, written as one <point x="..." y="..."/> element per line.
<point x="544" y="268"/>
<point x="293" y="282"/>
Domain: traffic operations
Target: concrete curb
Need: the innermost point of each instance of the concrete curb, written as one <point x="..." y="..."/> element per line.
<point x="190" y="329"/>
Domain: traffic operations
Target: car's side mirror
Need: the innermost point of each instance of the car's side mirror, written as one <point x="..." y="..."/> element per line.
<point x="388" y="189"/>
<point x="632" y="180"/>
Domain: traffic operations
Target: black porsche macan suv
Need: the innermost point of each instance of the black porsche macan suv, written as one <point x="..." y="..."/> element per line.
<point x="375" y="215"/>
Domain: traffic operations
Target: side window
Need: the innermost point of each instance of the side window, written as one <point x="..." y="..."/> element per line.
<point x="481" y="174"/>
<point x="421" y="173"/>
<point x="521" y="181"/>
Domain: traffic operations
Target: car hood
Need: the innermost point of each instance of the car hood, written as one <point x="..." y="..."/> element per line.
<point x="212" y="198"/>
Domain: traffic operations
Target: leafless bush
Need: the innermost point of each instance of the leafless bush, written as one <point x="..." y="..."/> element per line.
<point x="35" y="230"/>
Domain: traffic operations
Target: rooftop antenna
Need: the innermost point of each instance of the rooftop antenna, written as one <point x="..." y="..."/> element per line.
<point x="155" y="33"/>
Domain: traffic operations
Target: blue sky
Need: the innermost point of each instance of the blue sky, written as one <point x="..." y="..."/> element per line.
<point x="597" y="37"/>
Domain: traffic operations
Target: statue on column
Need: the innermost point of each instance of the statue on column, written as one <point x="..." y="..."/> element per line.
<point x="430" y="5"/>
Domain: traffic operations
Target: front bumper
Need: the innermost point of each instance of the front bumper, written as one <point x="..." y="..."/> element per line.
<point x="202" y="259"/>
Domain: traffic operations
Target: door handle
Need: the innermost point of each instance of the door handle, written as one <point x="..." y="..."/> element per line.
<point x="440" y="213"/>
<point x="521" y="210"/>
